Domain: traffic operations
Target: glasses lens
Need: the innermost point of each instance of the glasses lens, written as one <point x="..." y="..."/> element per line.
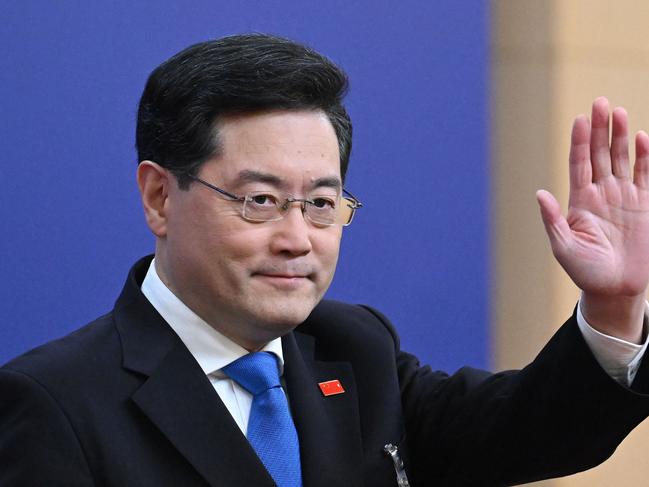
<point x="346" y="210"/>
<point x="322" y="210"/>
<point x="261" y="207"/>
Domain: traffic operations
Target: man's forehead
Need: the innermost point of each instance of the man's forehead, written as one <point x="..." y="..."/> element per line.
<point x="282" y="148"/>
<point x="309" y="144"/>
<point x="307" y="128"/>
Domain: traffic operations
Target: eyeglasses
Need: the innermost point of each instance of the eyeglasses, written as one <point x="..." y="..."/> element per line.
<point x="268" y="206"/>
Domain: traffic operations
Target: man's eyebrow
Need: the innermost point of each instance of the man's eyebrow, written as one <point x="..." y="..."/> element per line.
<point x="328" y="182"/>
<point x="249" y="176"/>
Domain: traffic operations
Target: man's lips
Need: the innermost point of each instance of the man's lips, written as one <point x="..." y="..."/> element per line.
<point x="285" y="279"/>
<point x="284" y="272"/>
<point x="283" y="276"/>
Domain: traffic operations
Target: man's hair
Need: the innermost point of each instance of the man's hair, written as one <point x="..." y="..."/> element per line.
<point x="185" y="97"/>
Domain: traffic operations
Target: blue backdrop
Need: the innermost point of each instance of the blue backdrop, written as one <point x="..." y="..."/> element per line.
<point x="70" y="218"/>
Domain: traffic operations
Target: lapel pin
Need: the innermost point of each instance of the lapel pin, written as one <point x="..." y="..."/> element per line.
<point x="393" y="452"/>
<point x="331" y="387"/>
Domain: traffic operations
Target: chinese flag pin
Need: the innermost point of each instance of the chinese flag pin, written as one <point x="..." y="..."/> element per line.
<point x="331" y="387"/>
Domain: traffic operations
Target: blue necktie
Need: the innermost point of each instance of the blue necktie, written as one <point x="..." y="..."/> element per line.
<point x="271" y="431"/>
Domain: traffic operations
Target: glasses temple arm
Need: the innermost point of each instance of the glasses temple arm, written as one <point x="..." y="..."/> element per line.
<point x="357" y="203"/>
<point x="216" y="188"/>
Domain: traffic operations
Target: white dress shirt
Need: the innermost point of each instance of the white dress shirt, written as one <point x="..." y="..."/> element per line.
<point x="619" y="358"/>
<point x="213" y="351"/>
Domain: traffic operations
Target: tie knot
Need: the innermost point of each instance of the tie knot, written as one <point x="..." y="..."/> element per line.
<point x="256" y="372"/>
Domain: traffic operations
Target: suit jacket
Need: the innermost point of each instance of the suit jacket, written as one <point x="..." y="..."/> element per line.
<point x="121" y="402"/>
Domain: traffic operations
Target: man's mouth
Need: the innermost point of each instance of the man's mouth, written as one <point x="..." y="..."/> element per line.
<point x="294" y="271"/>
<point x="283" y="278"/>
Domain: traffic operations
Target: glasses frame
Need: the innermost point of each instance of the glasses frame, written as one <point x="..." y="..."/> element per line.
<point x="347" y="197"/>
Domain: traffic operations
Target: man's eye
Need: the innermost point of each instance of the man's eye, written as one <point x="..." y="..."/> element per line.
<point x="263" y="199"/>
<point x="324" y="203"/>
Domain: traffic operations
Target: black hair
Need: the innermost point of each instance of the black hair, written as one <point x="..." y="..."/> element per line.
<point x="185" y="96"/>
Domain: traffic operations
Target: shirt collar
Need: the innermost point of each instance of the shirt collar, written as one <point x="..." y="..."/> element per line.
<point x="211" y="349"/>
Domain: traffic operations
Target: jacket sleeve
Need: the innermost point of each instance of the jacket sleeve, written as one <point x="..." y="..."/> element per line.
<point x="559" y="415"/>
<point x="37" y="443"/>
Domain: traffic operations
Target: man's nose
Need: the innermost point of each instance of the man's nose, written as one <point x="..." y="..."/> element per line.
<point x="293" y="233"/>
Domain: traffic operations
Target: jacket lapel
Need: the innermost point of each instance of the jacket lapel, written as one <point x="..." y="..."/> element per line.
<point x="182" y="403"/>
<point x="179" y="400"/>
<point x="328" y="427"/>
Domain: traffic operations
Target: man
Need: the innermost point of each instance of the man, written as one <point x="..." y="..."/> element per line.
<point x="244" y="144"/>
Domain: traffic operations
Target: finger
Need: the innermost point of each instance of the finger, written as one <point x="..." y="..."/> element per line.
<point x="620" y="144"/>
<point x="555" y="223"/>
<point x="641" y="167"/>
<point x="579" y="167"/>
<point x="600" y="155"/>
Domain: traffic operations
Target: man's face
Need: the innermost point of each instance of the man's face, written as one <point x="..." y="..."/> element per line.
<point x="255" y="281"/>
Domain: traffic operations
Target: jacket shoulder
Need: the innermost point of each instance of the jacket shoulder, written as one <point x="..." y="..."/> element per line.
<point x="336" y="321"/>
<point x="75" y="354"/>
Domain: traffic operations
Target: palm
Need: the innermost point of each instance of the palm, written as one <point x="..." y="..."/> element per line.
<point x="609" y="224"/>
<point x="603" y="243"/>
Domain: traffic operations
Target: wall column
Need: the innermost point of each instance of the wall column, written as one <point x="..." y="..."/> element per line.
<point x="550" y="60"/>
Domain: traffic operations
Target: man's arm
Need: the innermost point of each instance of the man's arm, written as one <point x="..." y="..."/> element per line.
<point x="38" y="445"/>
<point x="603" y="241"/>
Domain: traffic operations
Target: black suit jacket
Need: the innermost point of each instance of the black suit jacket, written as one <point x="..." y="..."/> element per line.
<point x="121" y="402"/>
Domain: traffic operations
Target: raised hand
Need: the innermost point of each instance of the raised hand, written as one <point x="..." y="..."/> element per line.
<point x="603" y="242"/>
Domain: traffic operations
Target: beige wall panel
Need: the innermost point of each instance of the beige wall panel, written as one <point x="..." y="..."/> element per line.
<point x="523" y="267"/>
<point x="524" y="264"/>
<point x="550" y="60"/>
<point x="524" y="25"/>
<point x="605" y="24"/>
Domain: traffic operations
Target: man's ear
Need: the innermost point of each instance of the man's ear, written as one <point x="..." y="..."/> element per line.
<point x="153" y="181"/>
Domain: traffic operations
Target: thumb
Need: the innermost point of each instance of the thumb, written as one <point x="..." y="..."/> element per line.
<point x="555" y="223"/>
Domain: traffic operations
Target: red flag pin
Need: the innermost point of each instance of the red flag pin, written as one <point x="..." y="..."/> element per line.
<point x="331" y="387"/>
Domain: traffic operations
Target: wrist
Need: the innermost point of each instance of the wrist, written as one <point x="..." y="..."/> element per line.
<point x="617" y="316"/>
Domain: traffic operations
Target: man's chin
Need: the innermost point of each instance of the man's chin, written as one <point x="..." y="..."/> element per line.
<point x="286" y="316"/>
